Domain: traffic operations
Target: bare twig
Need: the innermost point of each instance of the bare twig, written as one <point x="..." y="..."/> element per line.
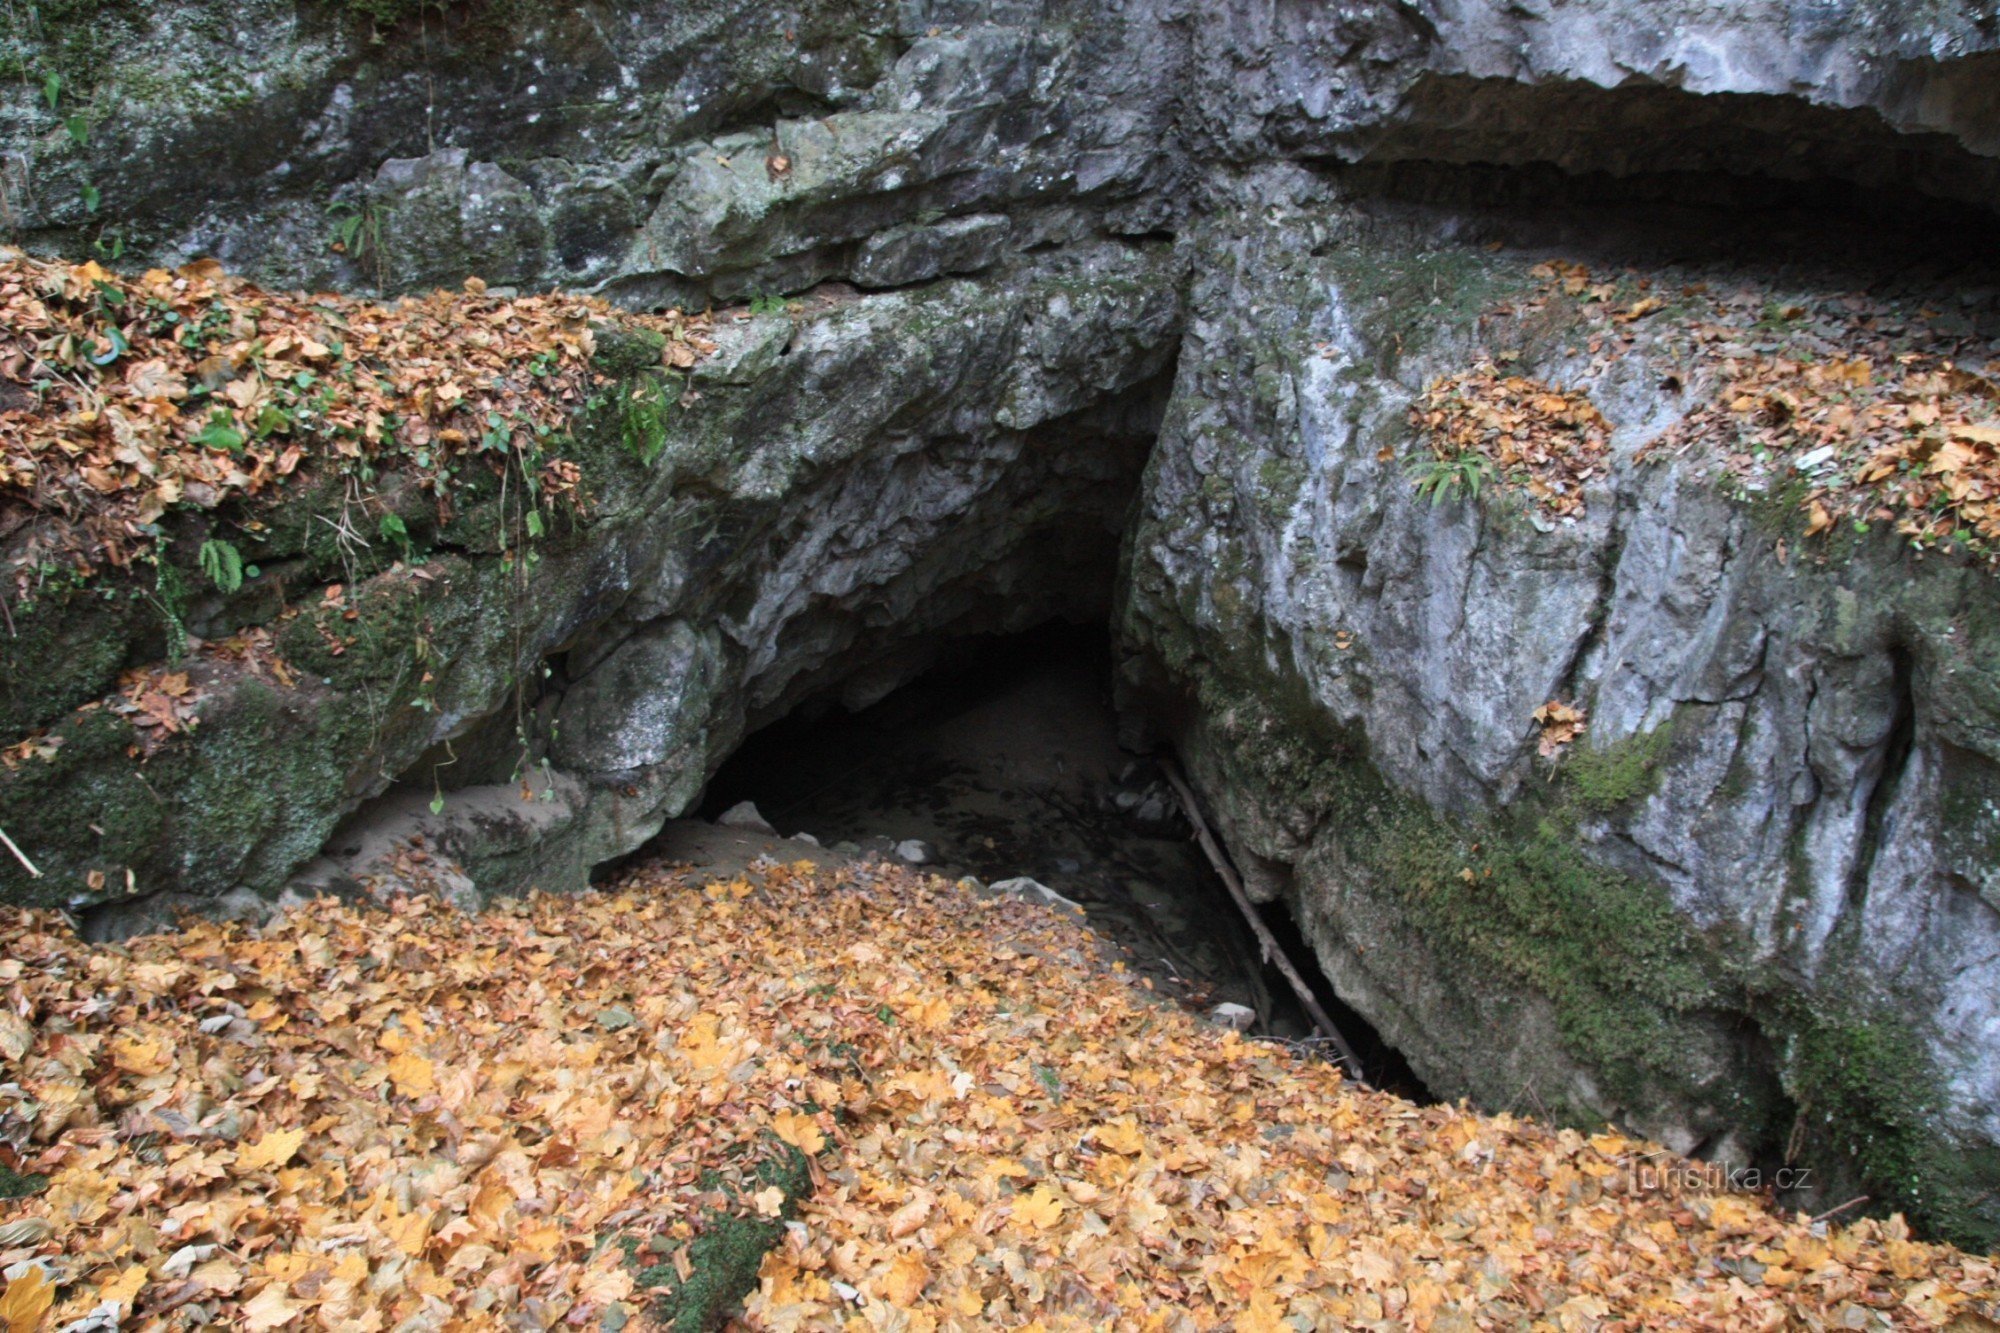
<point x="1267" y="941"/>
<point x="1860" y="1198"/>
<point x="20" y="856"/>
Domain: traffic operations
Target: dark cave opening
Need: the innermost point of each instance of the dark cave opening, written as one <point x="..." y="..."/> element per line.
<point x="1004" y="760"/>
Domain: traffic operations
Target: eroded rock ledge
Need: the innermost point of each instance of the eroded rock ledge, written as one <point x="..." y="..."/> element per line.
<point x="1751" y="909"/>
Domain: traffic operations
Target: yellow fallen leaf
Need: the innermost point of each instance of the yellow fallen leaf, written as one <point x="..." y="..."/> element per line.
<point x="799" y="1131"/>
<point x="1122" y="1136"/>
<point x="911" y="1215"/>
<point x="904" y="1281"/>
<point x="602" y="1286"/>
<point x="543" y="1242"/>
<point x="269" y="1308"/>
<point x="123" y="1289"/>
<point x="273" y="1150"/>
<point x="412" y="1075"/>
<point x="27" y="1298"/>
<point x="144" y="1058"/>
<point x="1041" y="1209"/>
<point x="1266" y="1314"/>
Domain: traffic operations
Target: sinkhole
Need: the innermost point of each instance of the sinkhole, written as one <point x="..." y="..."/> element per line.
<point x="1004" y="761"/>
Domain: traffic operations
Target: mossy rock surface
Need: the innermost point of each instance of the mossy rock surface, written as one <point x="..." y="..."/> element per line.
<point x="14" y="1185"/>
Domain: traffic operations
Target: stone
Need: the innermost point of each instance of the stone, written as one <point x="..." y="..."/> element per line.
<point x="448" y="218"/>
<point x="1746" y="713"/>
<point x="1033" y="891"/>
<point x="743" y="815"/>
<point x="915" y="851"/>
<point x="1235" y="1017"/>
<point x="903" y="255"/>
<point x="642" y="704"/>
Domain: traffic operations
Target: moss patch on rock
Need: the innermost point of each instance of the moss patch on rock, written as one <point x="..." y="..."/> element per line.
<point x="1604" y="779"/>
<point x="1867" y="1098"/>
<point x="14" y="1185"/>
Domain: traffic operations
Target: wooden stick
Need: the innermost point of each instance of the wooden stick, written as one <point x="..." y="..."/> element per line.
<point x="1843" y="1208"/>
<point x="20" y="856"/>
<point x="1265" y="939"/>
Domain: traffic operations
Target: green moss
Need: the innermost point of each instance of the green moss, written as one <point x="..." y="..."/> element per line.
<point x="493" y="18"/>
<point x="1599" y="780"/>
<point x="377" y="647"/>
<point x="67" y="646"/>
<point x="1279" y="482"/>
<point x="72" y="39"/>
<point x="625" y="352"/>
<point x="729" y="1249"/>
<point x="1777" y="510"/>
<point x="1454" y="285"/>
<point x="14" y="1185"/>
<point x="85" y="808"/>
<point x="245" y="810"/>
<point x="1510" y="898"/>
<point x="1867" y="1095"/>
<point x="1608" y="951"/>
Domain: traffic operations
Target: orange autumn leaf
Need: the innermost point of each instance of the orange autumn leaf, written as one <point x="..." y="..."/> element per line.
<point x="414" y="386"/>
<point x="1040" y="1209"/>
<point x="800" y="1131"/>
<point x="413" y="1075"/>
<point x="26" y="1300"/>
<point x="271" y="1151"/>
<point x="905" y="1280"/>
<point x="1002" y="1168"/>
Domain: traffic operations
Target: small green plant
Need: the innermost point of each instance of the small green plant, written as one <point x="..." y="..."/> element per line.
<point x="220" y="433"/>
<point x="169" y="598"/>
<point x="357" y="228"/>
<point x="223" y="564"/>
<point x="358" y="233"/>
<point x="764" y="303"/>
<point x="1462" y="473"/>
<point x="394" y="530"/>
<point x="642" y="418"/>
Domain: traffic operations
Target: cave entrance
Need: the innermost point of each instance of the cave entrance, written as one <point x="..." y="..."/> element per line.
<point x="1004" y="761"/>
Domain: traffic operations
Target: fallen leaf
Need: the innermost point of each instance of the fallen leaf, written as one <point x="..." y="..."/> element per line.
<point x="27" y="1298"/>
<point x="271" y="1151"/>
<point x="1041" y="1209"/>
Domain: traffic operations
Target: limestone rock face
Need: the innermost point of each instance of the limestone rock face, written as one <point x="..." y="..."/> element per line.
<point x="678" y="152"/>
<point x="1760" y="858"/>
<point x="1757" y="904"/>
<point x="840" y="490"/>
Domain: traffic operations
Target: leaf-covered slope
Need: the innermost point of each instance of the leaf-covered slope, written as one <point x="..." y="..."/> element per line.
<point x="124" y="398"/>
<point x="602" y="1108"/>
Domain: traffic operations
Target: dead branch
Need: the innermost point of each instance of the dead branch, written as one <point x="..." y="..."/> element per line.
<point x="1265" y="940"/>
